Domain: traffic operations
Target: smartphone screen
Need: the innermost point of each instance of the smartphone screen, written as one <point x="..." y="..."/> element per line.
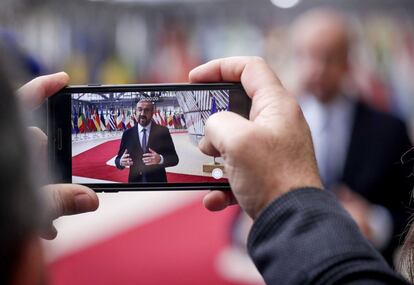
<point x="141" y="137"/>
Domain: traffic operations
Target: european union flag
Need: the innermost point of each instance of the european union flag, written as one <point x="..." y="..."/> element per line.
<point x="75" y="121"/>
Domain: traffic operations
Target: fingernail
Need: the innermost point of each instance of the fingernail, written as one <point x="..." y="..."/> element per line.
<point x="83" y="203"/>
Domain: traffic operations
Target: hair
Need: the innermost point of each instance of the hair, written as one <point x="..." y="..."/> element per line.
<point x="147" y="100"/>
<point x="406" y="255"/>
<point x="19" y="218"/>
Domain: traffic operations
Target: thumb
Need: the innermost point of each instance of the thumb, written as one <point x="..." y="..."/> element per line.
<point x="219" y="133"/>
<point x="126" y="151"/>
<point x="219" y="200"/>
<point x="70" y="199"/>
<point x="152" y="151"/>
<point x="33" y="94"/>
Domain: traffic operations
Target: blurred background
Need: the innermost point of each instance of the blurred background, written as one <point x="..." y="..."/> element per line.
<point x="155" y="238"/>
<point x="129" y="41"/>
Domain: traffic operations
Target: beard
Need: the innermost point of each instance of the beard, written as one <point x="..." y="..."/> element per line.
<point x="143" y="120"/>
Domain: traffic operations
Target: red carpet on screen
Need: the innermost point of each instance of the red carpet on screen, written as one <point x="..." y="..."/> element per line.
<point x="180" y="248"/>
<point x="92" y="164"/>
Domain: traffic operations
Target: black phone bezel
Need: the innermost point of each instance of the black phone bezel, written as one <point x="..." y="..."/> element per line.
<point x="60" y="142"/>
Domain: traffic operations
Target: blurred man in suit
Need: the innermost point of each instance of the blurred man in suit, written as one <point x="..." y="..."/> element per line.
<point x="147" y="148"/>
<point x="358" y="148"/>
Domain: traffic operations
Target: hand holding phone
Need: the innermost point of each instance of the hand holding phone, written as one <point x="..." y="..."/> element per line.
<point x="60" y="199"/>
<point x="280" y="159"/>
<point x="138" y="137"/>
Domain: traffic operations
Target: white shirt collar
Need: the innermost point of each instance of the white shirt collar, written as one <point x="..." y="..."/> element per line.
<point x="331" y="128"/>
<point x="148" y="127"/>
<point x="315" y="112"/>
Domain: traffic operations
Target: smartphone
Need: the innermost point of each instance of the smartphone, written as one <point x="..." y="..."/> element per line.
<point x="138" y="137"/>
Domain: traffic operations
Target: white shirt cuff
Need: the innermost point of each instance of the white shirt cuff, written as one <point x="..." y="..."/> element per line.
<point x="162" y="159"/>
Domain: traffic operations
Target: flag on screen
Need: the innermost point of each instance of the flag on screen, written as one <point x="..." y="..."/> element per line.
<point x="134" y="116"/>
<point x="127" y="119"/>
<point x="75" y="121"/>
<point x="96" y="120"/>
<point x="107" y="115"/>
<point x="81" y="122"/>
<point x="123" y="122"/>
<point x="102" y="120"/>
<point x="170" y="120"/>
<point x="155" y="118"/>
<point x="182" y="119"/>
<point x="213" y="106"/>
<point x="177" y="123"/>
<point x="130" y="119"/>
<point x="119" y="120"/>
<point x="111" y="120"/>
<point x="163" y="120"/>
<point x="89" y="120"/>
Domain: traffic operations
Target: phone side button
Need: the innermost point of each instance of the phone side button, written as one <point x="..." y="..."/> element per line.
<point x="59" y="139"/>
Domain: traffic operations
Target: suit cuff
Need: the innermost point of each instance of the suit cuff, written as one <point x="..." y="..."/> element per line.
<point x="118" y="165"/>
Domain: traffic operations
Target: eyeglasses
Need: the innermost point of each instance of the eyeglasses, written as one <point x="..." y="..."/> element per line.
<point x="145" y="110"/>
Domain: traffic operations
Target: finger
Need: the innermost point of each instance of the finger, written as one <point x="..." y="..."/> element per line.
<point x="38" y="138"/>
<point x="218" y="200"/>
<point x="35" y="92"/>
<point x="126" y="156"/>
<point x="152" y="151"/>
<point x="252" y="72"/>
<point x="148" y="155"/>
<point x="127" y="162"/>
<point x="219" y="134"/>
<point x="49" y="233"/>
<point x="207" y="148"/>
<point x="70" y="199"/>
<point x="38" y="142"/>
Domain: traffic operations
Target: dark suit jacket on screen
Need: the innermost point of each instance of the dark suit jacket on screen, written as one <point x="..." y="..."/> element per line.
<point x="373" y="167"/>
<point x="160" y="141"/>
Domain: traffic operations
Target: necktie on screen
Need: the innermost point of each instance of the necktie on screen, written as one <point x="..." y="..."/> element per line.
<point x="144" y="140"/>
<point x="144" y="150"/>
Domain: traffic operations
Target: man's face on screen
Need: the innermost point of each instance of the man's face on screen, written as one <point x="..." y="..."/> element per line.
<point x="144" y="110"/>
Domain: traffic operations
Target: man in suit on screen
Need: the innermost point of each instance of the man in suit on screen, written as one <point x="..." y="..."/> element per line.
<point x="147" y="148"/>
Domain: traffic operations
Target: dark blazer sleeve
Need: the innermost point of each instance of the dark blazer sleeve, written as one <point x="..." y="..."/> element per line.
<point x="306" y="237"/>
<point x="169" y="153"/>
<point x="122" y="148"/>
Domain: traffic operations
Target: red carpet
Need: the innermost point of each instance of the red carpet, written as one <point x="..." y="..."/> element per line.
<point x="92" y="164"/>
<point x="180" y="248"/>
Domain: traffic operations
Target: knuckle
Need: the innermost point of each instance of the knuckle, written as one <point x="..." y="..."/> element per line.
<point x="256" y="59"/>
<point x="61" y="204"/>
